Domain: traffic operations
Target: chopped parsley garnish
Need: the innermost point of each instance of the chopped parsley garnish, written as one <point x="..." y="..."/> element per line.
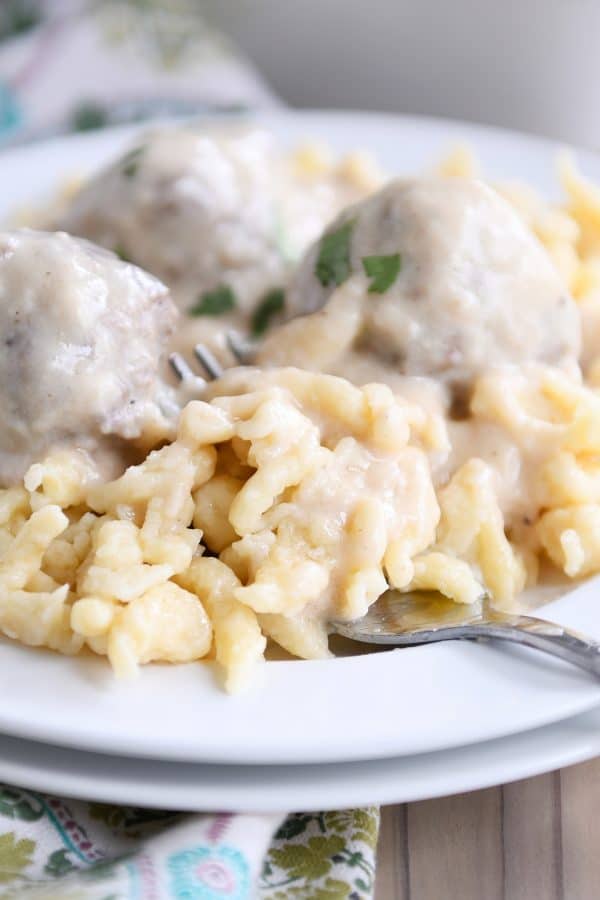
<point x="214" y="303"/>
<point x="333" y="263"/>
<point x="122" y="253"/>
<point x="131" y="161"/>
<point x="383" y="270"/>
<point x="270" y="305"/>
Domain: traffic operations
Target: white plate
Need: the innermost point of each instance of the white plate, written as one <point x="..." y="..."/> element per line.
<point x="189" y="786"/>
<point x="385" y="704"/>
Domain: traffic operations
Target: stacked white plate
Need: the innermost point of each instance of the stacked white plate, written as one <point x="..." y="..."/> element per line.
<point x="378" y="727"/>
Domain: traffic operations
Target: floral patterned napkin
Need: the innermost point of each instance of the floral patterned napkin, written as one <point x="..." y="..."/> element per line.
<point x="133" y="59"/>
<point x="77" y="64"/>
<point x="54" y="849"/>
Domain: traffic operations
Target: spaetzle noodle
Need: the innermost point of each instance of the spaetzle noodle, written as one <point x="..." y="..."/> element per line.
<point x="290" y="496"/>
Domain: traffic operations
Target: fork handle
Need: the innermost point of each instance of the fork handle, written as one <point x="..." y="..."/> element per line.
<point x="540" y="635"/>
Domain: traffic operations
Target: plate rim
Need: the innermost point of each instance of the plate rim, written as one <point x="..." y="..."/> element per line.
<point x="275" y="789"/>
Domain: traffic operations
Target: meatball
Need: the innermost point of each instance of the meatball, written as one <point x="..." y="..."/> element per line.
<point x="81" y="339"/>
<point x="197" y="209"/>
<point x="218" y="214"/>
<point x="450" y="281"/>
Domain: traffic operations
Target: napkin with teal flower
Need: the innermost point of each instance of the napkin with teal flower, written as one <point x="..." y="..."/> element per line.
<point x="59" y="849"/>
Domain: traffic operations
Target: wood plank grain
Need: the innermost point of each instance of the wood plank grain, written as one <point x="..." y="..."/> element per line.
<point x="580" y="798"/>
<point x="455" y="847"/>
<point x="392" y="855"/>
<point x="532" y="838"/>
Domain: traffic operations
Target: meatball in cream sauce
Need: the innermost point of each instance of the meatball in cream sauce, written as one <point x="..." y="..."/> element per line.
<point x="190" y="207"/>
<point x="82" y="337"/>
<point x="441" y="279"/>
<point x="219" y="214"/>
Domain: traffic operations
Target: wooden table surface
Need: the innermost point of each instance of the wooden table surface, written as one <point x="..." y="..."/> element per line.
<point x="537" y="839"/>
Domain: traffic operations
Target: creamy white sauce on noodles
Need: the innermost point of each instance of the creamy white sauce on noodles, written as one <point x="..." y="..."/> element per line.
<point x="467" y="458"/>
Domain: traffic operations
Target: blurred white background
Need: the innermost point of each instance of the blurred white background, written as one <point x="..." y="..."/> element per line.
<point x="528" y="64"/>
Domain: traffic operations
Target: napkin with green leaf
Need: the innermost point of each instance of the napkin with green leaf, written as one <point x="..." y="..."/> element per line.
<point x="59" y="849"/>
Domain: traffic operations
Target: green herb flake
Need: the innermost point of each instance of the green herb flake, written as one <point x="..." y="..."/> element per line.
<point x="214" y="303"/>
<point x="131" y="161"/>
<point x="333" y="263"/>
<point x="270" y="305"/>
<point x="383" y="270"/>
<point x="122" y="253"/>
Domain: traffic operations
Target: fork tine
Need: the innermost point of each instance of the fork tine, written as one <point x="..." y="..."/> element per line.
<point x="209" y="362"/>
<point x="183" y="372"/>
<point x="211" y="365"/>
<point x="240" y="348"/>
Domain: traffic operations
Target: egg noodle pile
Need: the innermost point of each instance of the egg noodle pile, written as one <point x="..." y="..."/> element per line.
<point x="291" y="498"/>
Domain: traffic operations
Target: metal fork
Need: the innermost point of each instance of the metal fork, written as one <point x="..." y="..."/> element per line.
<point x="401" y="620"/>
<point x="240" y="349"/>
<point x="405" y="619"/>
